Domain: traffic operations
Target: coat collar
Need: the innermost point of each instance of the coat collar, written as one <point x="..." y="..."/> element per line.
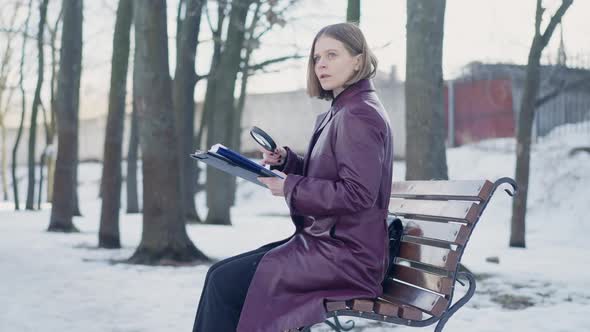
<point x="350" y="91"/>
<point x="342" y="98"/>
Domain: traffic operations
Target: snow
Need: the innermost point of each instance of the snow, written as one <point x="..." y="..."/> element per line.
<point x="62" y="282"/>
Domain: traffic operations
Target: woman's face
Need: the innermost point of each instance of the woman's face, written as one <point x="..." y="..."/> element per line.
<point x="333" y="64"/>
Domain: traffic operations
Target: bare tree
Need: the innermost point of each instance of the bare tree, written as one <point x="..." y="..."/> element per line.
<point x="48" y="153"/>
<point x="68" y="92"/>
<point x="219" y="185"/>
<point x="23" y="110"/>
<point x="250" y="44"/>
<point x="263" y="20"/>
<point x="30" y="203"/>
<point x="4" y="105"/>
<point x="526" y="117"/>
<point x="425" y="127"/>
<point x="6" y="94"/>
<point x="211" y="89"/>
<point x="132" y="153"/>
<point x="185" y="79"/>
<point x="222" y="120"/>
<point x="353" y="11"/>
<point x="50" y="124"/>
<point x="164" y="238"/>
<point x="108" y="234"/>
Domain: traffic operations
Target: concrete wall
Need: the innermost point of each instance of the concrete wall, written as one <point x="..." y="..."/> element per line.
<point x="287" y="116"/>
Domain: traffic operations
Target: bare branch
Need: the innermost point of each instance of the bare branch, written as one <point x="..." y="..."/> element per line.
<point x="202" y="77"/>
<point x="266" y="71"/>
<point x="263" y="64"/>
<point x="538" y="18"/>
<point x="17" y="31"/>
<point x="53" y="31"/>
<point x="564" y="87"/>
<point x="555" y="19"/>
<point x="208" y="16"/>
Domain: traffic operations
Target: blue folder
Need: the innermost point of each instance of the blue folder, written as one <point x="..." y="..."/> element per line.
<point x="233" y="163"/>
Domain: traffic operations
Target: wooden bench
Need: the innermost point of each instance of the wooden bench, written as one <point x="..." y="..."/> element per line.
<point x="438" y="219"/>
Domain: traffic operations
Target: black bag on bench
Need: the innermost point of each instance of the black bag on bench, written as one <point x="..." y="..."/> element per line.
<point x="395" y="230"/>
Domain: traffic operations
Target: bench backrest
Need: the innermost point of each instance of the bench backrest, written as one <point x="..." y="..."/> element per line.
<point x="438" y="218"/>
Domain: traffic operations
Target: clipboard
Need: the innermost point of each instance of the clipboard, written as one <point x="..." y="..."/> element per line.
<point x="234" y="166"/>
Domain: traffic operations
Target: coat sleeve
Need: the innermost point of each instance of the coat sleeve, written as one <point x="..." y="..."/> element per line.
<point x="293" y="163"/>
<point x="359" y="149"/>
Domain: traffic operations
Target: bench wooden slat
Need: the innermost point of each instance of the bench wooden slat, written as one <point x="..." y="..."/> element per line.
<point x="464" y="190"/>
<point x="435" y="210"/>
<point x="424" y="279"/>
<point x="365" y="305"/>
<point x="386" y="308"/>
<point x="424" y="300"/>
<point x="408" y="312"/>
<point x="335" y="305"/>
<point x="439" y="257"/>
<point x="447" y="232"/>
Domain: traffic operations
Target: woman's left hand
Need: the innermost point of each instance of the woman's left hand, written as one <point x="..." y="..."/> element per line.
<point x="274" y="184"/>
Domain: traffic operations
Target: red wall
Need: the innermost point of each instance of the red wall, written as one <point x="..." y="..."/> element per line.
<point x="483" y="109"/>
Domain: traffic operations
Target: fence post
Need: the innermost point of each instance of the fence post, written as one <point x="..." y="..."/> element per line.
<point x="451" y="117"/>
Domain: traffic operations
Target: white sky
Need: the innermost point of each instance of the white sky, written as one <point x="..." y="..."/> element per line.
<point x="483" y="30"/>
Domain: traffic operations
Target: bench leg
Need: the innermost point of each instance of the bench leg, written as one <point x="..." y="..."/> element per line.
<point x="337" y="326"/>
<point x="443" y="320"/>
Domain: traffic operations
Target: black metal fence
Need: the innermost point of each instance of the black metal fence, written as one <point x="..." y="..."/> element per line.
<point x="568" y="109"/>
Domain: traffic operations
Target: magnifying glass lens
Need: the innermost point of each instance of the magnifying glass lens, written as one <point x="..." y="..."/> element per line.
<point x="263" y="139"/>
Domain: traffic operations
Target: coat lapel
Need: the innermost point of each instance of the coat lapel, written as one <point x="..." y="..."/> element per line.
<point x="316" y="133"/>
<point x="360" y="86"/>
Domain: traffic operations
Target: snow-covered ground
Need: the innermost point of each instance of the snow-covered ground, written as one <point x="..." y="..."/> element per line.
<point x="61" y="282"/>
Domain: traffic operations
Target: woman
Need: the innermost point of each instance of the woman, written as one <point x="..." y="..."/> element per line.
<point x="337" y="195"/>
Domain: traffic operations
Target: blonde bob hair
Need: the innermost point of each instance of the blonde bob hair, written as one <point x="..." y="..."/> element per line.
<point x="355" y="43"/>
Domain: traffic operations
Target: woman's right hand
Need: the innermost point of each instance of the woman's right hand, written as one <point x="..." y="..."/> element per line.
<point x="275" y="158"/>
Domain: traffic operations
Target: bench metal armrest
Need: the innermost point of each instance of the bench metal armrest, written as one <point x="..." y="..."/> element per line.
<point x="503" y="180"/>
<point x="462" y="301"/>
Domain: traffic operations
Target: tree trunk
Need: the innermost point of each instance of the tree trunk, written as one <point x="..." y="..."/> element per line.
<point x="4" y="103"/>
<point x="525" y="122"/>
<point x="179" y="19"/>
<point x="3" y="156"/>
<point x="3" y="163"/>
<point x="76" y="209"/>
<point x="30" y="203"/>
<point x="425" y="126"/>
<point x="41" y="179"/>
<point x="353" y="12"/>
<point x="108" y="234"/>
<point x="22" y="116"/>
<point x="185" y="79"/>
<point x="43" y="157"/>
<point x="210" y="90"/>
<point x="219" y="185"/>
<point x="50" y="148"/>
<point x="164" y="239"/>
<point x="236" y="124"/>
<point x="131" y="180"/>
<point x="68" y="90"/>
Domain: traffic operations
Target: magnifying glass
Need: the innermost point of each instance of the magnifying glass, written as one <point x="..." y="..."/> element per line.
<point x="262" y="138"/>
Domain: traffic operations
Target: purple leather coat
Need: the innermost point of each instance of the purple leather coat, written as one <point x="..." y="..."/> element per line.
<point x="338" y="196"/>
